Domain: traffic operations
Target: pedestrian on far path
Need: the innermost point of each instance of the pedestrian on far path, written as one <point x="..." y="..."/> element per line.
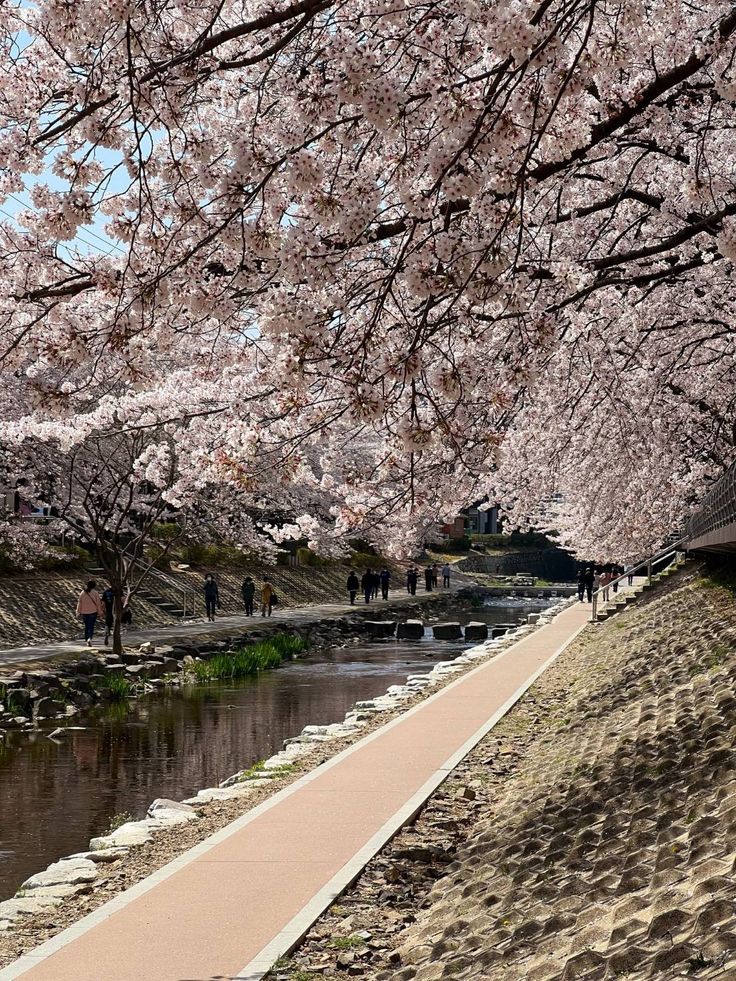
<point x="428" y="579"/>
<point x="408" y="579"/>
<point x="603" y="582"/>
<point x="248" y="592"/>
<point x="385" y="580"/>
<point x="589" y="579"/>
<point x="616" y="572"/>
<point x="435" y="575"/>
<point x="366" y="584"/>
<point x="412" y="578"/>
<point x="353" y="584"/>
<point x="89" y="607"/>
<point x="211" y="596"/>
<point x="581" y="583"/>
<point x="108" y="601"/>
<point x="446" y="575"/>
<point x="630" y="577"/>
<point x="376" y="584"/>
<point x="266" y="598"/>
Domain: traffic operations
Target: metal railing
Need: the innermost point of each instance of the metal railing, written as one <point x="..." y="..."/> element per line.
<point x="714" y="524"/>
<point x="188" y="594"/>
<point x="668" y="552"/>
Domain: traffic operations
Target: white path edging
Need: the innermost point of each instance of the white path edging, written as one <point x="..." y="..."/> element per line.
<point x="290" y="936"/>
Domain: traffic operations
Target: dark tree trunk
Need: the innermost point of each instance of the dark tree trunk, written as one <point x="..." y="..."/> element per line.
<point x="117" y="619"/>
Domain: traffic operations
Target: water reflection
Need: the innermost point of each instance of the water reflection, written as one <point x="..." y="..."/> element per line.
<point x="57" y="794"/>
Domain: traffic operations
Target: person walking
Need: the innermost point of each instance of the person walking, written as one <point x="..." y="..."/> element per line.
<point x="248" y="592"/>
<point x="630" y="576"/>
<point x="589" y="579"/>
<point x="581" y="583"/>
<point x="428" y="578"/>
<point x="366" y="584"/>
<point x="408" y="580"/>
<point x="353" y="584"/>
<point x="435" y="575"/>
<point x="446" y="575"/>
<point x="603" y="581"/>
<point x="413" y="578"/>
<point x="108" y="601"/>
<point x="615" y="573"/>
<point x="266" y="598"/>
<point x="89" y="607"/>
<point x="376" y="585"/>
<point x="385" y="578"/>
<point x="211" y="596"/>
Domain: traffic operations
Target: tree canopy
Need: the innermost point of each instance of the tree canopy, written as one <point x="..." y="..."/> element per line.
<point x="382" y="258"/>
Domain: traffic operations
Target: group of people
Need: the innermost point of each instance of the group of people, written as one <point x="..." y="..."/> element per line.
<point x="589" y="580"/>
<point x="92" y="604"/>
<point x="368" y="584"/>
<point x="372" y="580"/>
<point x="269" y="598"/>
<point x="431" y="578"/>
<point x="248" y="589"/>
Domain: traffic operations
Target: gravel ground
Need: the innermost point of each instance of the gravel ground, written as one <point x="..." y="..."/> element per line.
<point x="591" y="835"/>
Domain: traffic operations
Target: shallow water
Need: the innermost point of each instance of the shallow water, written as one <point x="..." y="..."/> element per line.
<point x="57" y="794"/>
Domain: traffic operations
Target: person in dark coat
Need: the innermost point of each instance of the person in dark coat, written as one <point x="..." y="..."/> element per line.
<point x="581" y="583"/>
<point x="211" y="596"/>
<point x="248" y="592"/>
<point x="366" y="584"/>
<point x="385" y="580"/>
<point x="412" y="577"/>
<point x="428" y="579"/>
<point x="353" y="584"/>
<point x="376" y="585"/>
<point x="589" y="579"/>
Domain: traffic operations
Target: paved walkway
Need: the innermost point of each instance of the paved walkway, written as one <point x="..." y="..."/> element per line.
<point x="229" y="907"/>
<point x="194" y="629"/>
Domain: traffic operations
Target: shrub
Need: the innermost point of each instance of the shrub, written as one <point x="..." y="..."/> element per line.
<point x="456" y="544"/>
<point x="305" y="556"/>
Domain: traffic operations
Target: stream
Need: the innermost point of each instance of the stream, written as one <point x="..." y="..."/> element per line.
<point x="56" y="794"/>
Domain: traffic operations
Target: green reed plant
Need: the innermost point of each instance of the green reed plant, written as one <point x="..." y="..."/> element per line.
<point x="248" y="661"/>
<point x="116" y="687"/>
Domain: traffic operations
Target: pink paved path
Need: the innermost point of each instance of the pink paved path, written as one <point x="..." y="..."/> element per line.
<point x="216" y="914"/>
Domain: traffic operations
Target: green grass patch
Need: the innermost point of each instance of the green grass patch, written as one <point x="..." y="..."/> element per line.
<point x="723" y="577"/>
<point x="249" y="660"/>
<point x="116" y="687"/>
<point x="347" y="943"/>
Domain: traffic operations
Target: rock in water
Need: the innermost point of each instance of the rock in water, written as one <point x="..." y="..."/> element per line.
<point x="410" y="630"/>
<point x="476" y="630"/>
<point x="447" y="631"/>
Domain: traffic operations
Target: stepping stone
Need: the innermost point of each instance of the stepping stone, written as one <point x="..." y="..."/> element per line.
<point x="380" y="628"/>
<point x="447" y="631"/>
<point x="475" y="630"/>
<point x="410" y="630"/>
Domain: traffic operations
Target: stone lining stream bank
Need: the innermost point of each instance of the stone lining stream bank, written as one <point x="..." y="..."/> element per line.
<point x="115" y="861"/>
<point x="61" y="692"/>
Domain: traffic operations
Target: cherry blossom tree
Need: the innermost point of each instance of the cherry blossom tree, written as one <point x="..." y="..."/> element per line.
<point x="392" y="255"/>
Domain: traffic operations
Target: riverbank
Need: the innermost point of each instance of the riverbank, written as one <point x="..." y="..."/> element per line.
<point x="61" y="687"/>
<point x="589" y="835"/>
<point x="218" y="806"/>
